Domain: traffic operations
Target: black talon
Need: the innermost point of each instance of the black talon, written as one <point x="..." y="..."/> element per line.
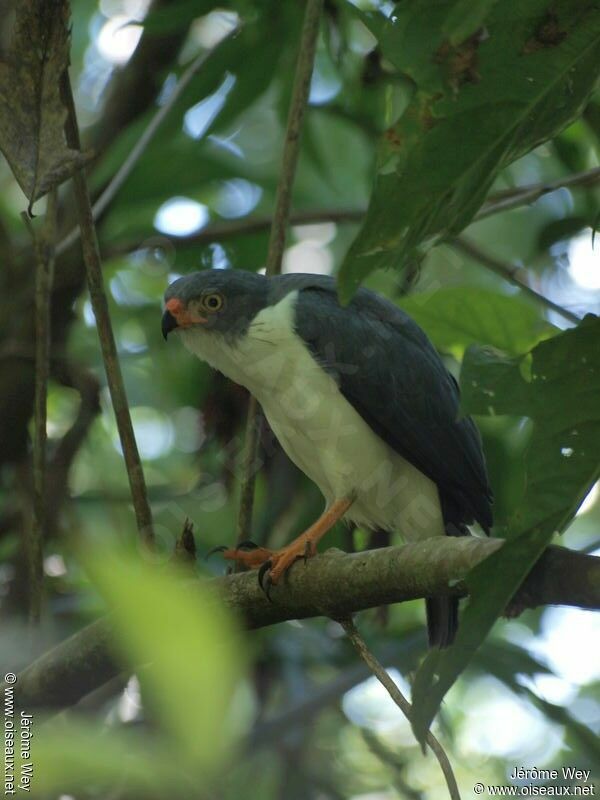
<point x="261" y="573"/>
<point x="219" y="549"/>
<point x="264" y="581"/>
<point x="306" y="552"/>
<point x="247" y="544"/>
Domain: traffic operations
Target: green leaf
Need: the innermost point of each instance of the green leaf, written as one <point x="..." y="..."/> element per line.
<point x="32" y="113"/>
<point x="187" y="643"/>
<point x="559" y="392"/>
<point x="485" y="101"/>
<point x="458" y="316"/>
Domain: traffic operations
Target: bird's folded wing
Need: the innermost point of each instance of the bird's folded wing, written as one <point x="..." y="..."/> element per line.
<point x="389" y="371"/>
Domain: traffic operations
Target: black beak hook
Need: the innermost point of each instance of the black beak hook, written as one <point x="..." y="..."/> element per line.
<point x="169" y="323"/>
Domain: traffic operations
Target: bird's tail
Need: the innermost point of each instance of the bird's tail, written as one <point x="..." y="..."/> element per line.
<point x="442" y="620"/>
<point x="442" y="612"/>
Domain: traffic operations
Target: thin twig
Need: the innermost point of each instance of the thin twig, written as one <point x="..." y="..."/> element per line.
<point x="291" y="150"/>
<point x="246" y="507"/>
<point x="43" y="245"/>
<point x="394" y="692"/>
<point x="291" y="147"/>
<point x="525" y="195"/>
<point x="496" y="203"/>
<point x="249" y="226"/>
<point x="93" y="265"/>
<point x="126" y="168"/>
<point x="509" y="273"/>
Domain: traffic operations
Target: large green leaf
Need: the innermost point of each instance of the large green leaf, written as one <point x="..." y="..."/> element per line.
<point x="458" y="316"/>
<point x="557" y="387"/>
<point x="477" y="106"/>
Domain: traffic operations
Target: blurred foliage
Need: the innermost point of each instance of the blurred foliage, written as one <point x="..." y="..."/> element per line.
<point x="431" y="104"/>
<point x="186" y="684"/>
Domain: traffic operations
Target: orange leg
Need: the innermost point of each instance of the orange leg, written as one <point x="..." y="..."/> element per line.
<point x="304" y="546"/>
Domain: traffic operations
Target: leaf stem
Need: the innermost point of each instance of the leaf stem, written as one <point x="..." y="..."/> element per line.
<point x="93" y="265"/>
<point x="246" y="507"/>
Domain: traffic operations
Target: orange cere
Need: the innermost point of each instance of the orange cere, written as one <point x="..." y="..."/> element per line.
<point x="184" y="318"/>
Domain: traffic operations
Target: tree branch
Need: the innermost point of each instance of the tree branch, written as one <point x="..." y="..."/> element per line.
<point x="291" y="147"/>
<point x="525" y="195"/>
<point x="43" y="246"/>
<point x="335" y="585"/>
<point x="394" y="692"/>
<point x="249" y="226"/>
<point x="495" y="204"/>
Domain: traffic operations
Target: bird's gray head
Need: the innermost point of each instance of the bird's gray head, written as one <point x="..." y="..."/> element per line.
<point x="220" y="301"/>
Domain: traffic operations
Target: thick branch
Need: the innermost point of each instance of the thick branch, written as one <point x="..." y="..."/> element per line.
<point x="335" y="585"/>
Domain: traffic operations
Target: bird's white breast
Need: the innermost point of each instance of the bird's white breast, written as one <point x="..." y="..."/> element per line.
<point x="318" y="428"/>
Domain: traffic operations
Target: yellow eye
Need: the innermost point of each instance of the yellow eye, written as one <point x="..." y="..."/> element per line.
<point x="212" y="301"/>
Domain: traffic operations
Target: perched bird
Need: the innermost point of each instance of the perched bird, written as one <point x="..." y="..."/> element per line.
<point x="359" y="400"/>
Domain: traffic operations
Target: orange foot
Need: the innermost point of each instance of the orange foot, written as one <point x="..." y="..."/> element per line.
<point x="272" y="564"/>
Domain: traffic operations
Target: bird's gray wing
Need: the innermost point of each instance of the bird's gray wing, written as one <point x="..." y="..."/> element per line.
<point x="389" y="371"/>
